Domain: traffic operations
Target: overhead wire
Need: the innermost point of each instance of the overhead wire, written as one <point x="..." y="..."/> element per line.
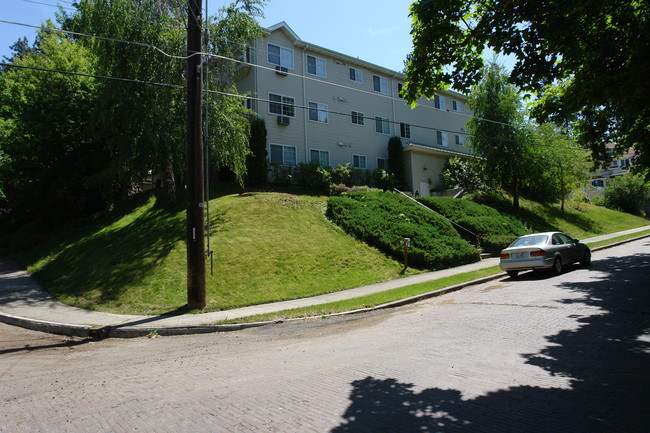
<point x="263" y="67"/>
<point x="259" y="66"/>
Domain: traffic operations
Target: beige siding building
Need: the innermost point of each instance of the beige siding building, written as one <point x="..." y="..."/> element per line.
<point x="323" y="106"/>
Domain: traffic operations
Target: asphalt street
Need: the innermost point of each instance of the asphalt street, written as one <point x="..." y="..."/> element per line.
<point x="538" y="353"/>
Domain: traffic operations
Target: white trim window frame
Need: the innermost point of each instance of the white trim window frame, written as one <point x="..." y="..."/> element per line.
<point x="357" y="118"/>
<point x="355" y="75"/>
<point x="442" y="138"/>
<point x="279" y="56"/>
<point x="320" y="157"/>
<point x="282" y="105"/>
<point x="318" y="112"/>
<point x="457" y="106"/>
<point x="380" y="84"/>
<point x="359" y="161"/>
<point x="382" y="125"/>
<point x="316" y="66"/>
<point x="404" y="130"/>
<point x="440" y="102"/>
<point x="284" y="154"/>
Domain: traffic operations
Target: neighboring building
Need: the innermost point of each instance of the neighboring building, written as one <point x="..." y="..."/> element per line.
<point x="323" y="106"/>
<point x="618" y="167"/>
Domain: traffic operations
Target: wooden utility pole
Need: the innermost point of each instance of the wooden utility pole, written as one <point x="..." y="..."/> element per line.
<point x="195" y="187"/>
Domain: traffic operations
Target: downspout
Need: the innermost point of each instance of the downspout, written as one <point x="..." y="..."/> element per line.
<point x="304" y="99"/>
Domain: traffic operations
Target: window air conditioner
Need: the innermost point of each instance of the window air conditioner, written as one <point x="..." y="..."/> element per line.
<point x="283" y="120"/>
<point x="281" y="70"/>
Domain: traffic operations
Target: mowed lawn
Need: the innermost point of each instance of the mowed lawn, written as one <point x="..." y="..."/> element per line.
<point x="267" y="247"/>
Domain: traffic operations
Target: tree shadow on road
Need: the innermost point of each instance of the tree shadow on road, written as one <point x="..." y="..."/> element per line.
<point x="606" y="359"/>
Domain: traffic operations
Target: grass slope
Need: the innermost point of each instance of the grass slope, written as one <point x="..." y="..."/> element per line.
<point x="268" y="247"/>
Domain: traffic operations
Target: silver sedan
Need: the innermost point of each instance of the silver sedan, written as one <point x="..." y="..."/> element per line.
<point x="551" y="250"/>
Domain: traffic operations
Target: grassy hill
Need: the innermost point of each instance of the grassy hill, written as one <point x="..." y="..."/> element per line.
<point x="267" y="247"/>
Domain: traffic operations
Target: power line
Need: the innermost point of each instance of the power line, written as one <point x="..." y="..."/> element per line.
<point x="258" y="99"/>
<point x="243" y="62"/>
<point x="263" y="67"/>
<point x="69" y="32"/>
<point x="105" y="77"/>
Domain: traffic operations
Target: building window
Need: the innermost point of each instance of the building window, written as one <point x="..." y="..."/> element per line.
<point x="404" y="130"/>
<point x="356" y="75"/>
<point x="285" y="155"/>
<point x="357" y="118"/>
<point x="318" y="112"/>
<point x="442" y="138"/>
<point x="382" y="163"/>
<point x="459" y="140"/>
<point x="281" y="105"/>
<point x="400" y="90"/>
<point x="359" y="161"/>
<point x="457" y="106"/>
<point x="439" y="102"/>
<point x="382" y="125"/>
<point x="280" y="56"/>
<point x="320" y="157"/>
<point x="316" y="66"/>
<point x="380" y="84"/>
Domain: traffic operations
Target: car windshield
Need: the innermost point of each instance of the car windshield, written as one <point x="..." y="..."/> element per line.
<point x="530" y="241"/>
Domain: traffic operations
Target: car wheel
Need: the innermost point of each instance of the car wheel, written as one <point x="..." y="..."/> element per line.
<point x="586" y="259"/>
<point x="513" y="273"/>
<point x="557" y="265"/>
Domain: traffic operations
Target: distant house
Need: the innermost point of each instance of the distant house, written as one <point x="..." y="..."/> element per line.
<point x="618" y="167"/>
<point x="332" y="109"/>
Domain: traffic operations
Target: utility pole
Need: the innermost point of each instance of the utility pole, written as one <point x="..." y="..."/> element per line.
<point x="195" y="187"/>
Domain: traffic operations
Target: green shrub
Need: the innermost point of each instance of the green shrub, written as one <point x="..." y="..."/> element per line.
<point x="626" y="193"/>
<point x="282" y="174"/>
<point x="256" y="163"/>
<point x="382" y="179"/>
<point x="341" y="175"/>
<point x="495" y="230"/>
<point x="312" y="175"/>
<point x="384" y="219"/>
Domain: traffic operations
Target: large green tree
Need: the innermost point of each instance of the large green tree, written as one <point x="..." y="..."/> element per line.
<point x="497" y="131"/>
<point x="587" y="62"/>
<point x="560" y="165"/>
<point x="83" y="126"/>
<point x="46" y="129"/>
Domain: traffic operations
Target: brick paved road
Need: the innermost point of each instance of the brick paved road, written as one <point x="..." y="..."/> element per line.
<point x="535" y="354"/>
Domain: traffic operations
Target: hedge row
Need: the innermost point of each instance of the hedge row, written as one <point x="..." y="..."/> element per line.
<point x="384" y="219"/>
<point x="495" y="230"/>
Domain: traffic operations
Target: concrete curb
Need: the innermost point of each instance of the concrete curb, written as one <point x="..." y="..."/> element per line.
<point x="85" y="331"/>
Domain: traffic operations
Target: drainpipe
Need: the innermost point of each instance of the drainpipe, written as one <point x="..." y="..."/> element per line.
<point x="305" y="113"/>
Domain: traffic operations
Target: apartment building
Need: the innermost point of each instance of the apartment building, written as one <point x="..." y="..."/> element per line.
<point x="326" y="107"/>
<point x="618" y="167"/>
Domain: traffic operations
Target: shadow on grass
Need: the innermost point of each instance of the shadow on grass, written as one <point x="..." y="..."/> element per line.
<point x="546" y="221"/>
<point x="605" y="358"/>
<point x="106" y="262"/>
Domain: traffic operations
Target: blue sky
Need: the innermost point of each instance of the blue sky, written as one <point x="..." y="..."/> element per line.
<point x="374" y="30"/>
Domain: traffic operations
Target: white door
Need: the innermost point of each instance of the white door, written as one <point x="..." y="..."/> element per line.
<point x="424" y="189"/>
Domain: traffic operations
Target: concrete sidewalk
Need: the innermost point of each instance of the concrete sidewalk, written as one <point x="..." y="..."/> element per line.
<point x="23" y="302"/>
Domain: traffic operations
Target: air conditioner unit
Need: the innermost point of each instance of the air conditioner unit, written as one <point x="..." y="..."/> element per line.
<point x="281" y="70"/>
<point x="283" y="120"/>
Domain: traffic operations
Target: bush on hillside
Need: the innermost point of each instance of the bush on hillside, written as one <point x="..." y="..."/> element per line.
<point x="384" y="219"/>
<point x="495" y="230"/>
<point x="626" y="193"/>
<point x="312" y="175"/>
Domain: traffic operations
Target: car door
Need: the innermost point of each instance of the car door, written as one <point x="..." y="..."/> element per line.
<point x="572" y="252"/>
